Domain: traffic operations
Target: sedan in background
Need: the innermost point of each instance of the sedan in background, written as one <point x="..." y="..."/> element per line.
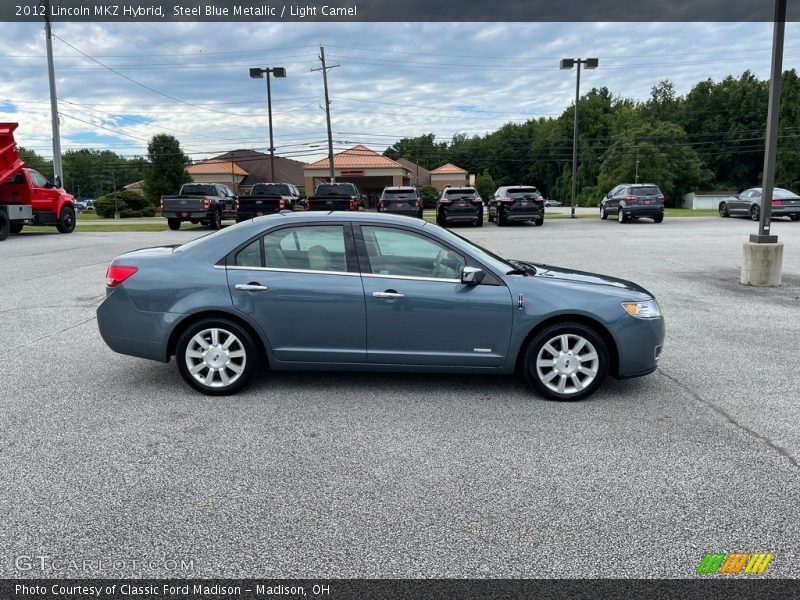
<point x="349" y="291"/>
<point x="516" y="203"/>
<point x="748" y="204"/>
<point x="401" y="200"/>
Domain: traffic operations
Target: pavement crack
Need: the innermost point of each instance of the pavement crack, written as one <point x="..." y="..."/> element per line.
<point x="49" y="335"/>
<point x="730" y="419"/>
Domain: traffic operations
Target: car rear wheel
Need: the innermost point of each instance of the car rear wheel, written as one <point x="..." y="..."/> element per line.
<point x="66" y="224"/>
<point x="5" y="226"/>
<point x="603" y="213"/>
<point x="566" y="361"/>
<point x="723" y="210"/>
<point x="621" y="216"/>
<point x="216" y="357"/>
<point x="216" y="221"/>
<point x="440" y="221"/>
<point x="174" y="224"/>
<point x="658" y="219"/>
<point x="501" y="221"/>
<point x="755" y="213"/>
<point x="479" y="221"/>
<point x="16" y="227"/>
<point x="792" y="217"/>
<point x="539" y="222"/>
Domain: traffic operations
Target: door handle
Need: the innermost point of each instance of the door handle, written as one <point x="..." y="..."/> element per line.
<point x="251" y="287"/>
<point x="388" y="295"/>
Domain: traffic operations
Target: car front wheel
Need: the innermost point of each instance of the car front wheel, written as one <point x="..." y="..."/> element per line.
<point x="566" y="361"/>
<point x="66" y="224"/>
<point x="723" y="210"/>
<point x="216" y="357"/>
<point x="603" y="213"/>
<point x="755" y="213"/>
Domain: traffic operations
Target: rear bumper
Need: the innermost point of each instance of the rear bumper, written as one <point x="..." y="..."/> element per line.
<point x="408" y="212"/>
<point x="521" y="215"/>
<point x="127" y="330"/>
<point x="784" y="211"/>
<point x="647" y="210"/>
<point x="185" y="215"/>
<point x="461" y="215"/>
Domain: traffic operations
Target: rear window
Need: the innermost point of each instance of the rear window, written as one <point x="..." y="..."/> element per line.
<point x="527" y="191"/>
<point x="271" y="188"/>
<point x="460" y="192"/>
<point x="199" y="189"/>
<point x="645" y="191"/>
<point x="329" y="189"/>
<point x="399" y="194"/>
<point x="781" y="193"/>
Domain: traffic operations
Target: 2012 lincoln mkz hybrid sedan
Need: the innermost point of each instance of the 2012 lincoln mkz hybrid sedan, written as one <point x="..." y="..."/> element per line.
<point x="372" y="292"/>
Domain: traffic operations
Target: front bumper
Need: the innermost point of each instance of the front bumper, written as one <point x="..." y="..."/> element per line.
<point x="640" y="343"/>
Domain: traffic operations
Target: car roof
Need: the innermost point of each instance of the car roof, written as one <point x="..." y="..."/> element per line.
<point x="399" y="187"/>
<point x="340" y="215"/>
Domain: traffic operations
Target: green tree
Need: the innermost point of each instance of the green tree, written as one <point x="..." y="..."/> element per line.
<point x="167" y="170"/>
<point x="36" y="162"/>
<point x="422" y="150"/>
<point x="429" y="196"/>
<point x="485" y="185"/>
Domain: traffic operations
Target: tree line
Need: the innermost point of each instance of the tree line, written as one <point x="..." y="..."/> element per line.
<point x="711" y="139"/>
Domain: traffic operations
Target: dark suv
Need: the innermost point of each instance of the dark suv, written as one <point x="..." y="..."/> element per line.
<point x="401" y="200"/>
<point x="459" y="205"/>
<point x="516" y="203"/>
<point x="633" y="200"/>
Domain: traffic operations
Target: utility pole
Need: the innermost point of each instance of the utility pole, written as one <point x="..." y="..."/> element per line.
<point x="637" y="165"/>
<point x="58" y="172"/>
<point x="324" y="70"/>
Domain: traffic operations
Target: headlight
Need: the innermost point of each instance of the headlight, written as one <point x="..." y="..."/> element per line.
<point x="642" y="310"/>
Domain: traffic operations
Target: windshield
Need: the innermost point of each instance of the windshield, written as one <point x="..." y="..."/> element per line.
<point x="492" y="260"/>
<point x="271" y="188"/>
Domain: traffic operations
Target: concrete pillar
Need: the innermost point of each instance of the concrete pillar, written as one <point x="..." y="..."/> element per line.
<point x="762" y="264"/>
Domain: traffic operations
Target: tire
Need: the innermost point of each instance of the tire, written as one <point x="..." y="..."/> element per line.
<point x="621" y="216"/>
<point x="501" y="220"/>
<point x="479" y="222"/>
<point x="794" y="217"/>
<point x="194" y="221"/>
<point x="16" y="227"/>
<point x="539" y="222"/>
<point x="202" y="348"/>
<point x="658" y="219"/>
<point x="441" y="221"/>
<point x="723" y="210"/>
<point x="755" y="213"/>
<point x="491" y="220"/>
<point x="215" y="224"/>
<point x="66" y="224"/>
<point x="603" y="213"/>
<point x="5" y="226"/>
<point x="565" y="380"/>
<point x="174" y="224"/>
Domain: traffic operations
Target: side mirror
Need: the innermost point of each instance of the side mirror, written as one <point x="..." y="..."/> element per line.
<point x="471" y="275"/>
<point x="49" y="185"/>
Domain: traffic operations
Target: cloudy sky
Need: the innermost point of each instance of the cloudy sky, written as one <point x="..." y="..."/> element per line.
<point x="120" y="83"/>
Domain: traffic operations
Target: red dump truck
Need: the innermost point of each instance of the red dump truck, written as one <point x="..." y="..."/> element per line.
<point x="26" y="197"/>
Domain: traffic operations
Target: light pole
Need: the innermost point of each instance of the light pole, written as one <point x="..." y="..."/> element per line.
<point x="257" y="73"/>
<point x="636" y="180"/>
<point x="568" y="63"/>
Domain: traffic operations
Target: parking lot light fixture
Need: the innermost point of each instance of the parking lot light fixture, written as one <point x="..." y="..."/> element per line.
<point x="568" y="63"/>
<point x="258" y="73"/>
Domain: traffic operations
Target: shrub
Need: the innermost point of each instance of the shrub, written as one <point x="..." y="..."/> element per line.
<point x="429" y="195"/>
<point x="125" y="201"/>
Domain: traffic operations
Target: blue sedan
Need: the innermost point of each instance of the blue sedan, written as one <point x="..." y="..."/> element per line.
<point x="372" y="292"/>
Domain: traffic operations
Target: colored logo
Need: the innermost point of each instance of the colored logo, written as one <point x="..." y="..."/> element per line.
<point x="734" y="563"/>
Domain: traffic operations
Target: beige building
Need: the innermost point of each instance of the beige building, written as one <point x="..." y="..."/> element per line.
<point x="451" y="175"/>
<point x="215" y="171"/>
<point x="370" y="171"/>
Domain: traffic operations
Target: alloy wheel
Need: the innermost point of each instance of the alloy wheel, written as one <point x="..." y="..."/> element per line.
<point x="215" y="358"/>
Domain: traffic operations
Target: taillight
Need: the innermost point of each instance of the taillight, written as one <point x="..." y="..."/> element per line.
<point x="116" y="274"/>
<point x="162" y="204"/>
<point x="477" y="200"/>
<point x="776" y="203"/>
<point x="352" y="204"/>
<point x="507" y="200"/>
<point x="281" y="204"/>
<point x="446" y="201"/>
<point x="380" y="203"/>
<point x="661" y="199"/>
<point x="418" y="203"/>
<point x="206" y="203"/>
<point x="631" y="199"/>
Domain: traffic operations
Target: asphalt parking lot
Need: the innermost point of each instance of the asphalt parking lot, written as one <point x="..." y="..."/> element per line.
<point x="108" y="457"/>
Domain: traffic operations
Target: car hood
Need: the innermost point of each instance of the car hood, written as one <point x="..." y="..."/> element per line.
<point x="562" y="275"/>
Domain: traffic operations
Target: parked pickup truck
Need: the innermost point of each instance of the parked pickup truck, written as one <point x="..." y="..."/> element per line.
<point x="206" y="203"/>
<point x="26" y="197"/>
<point x="268" y="198"/>
<point x="335" y="196"/>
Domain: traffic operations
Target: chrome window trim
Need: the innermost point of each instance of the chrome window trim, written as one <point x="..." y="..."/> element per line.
<point x="279" y="270"/>
<point x="410" y="278"/>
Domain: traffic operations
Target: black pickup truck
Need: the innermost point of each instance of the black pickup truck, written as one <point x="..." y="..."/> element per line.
<point x="268" y="198"/>
<point x="206" y="203"/>
<point x="335" y="196"/>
